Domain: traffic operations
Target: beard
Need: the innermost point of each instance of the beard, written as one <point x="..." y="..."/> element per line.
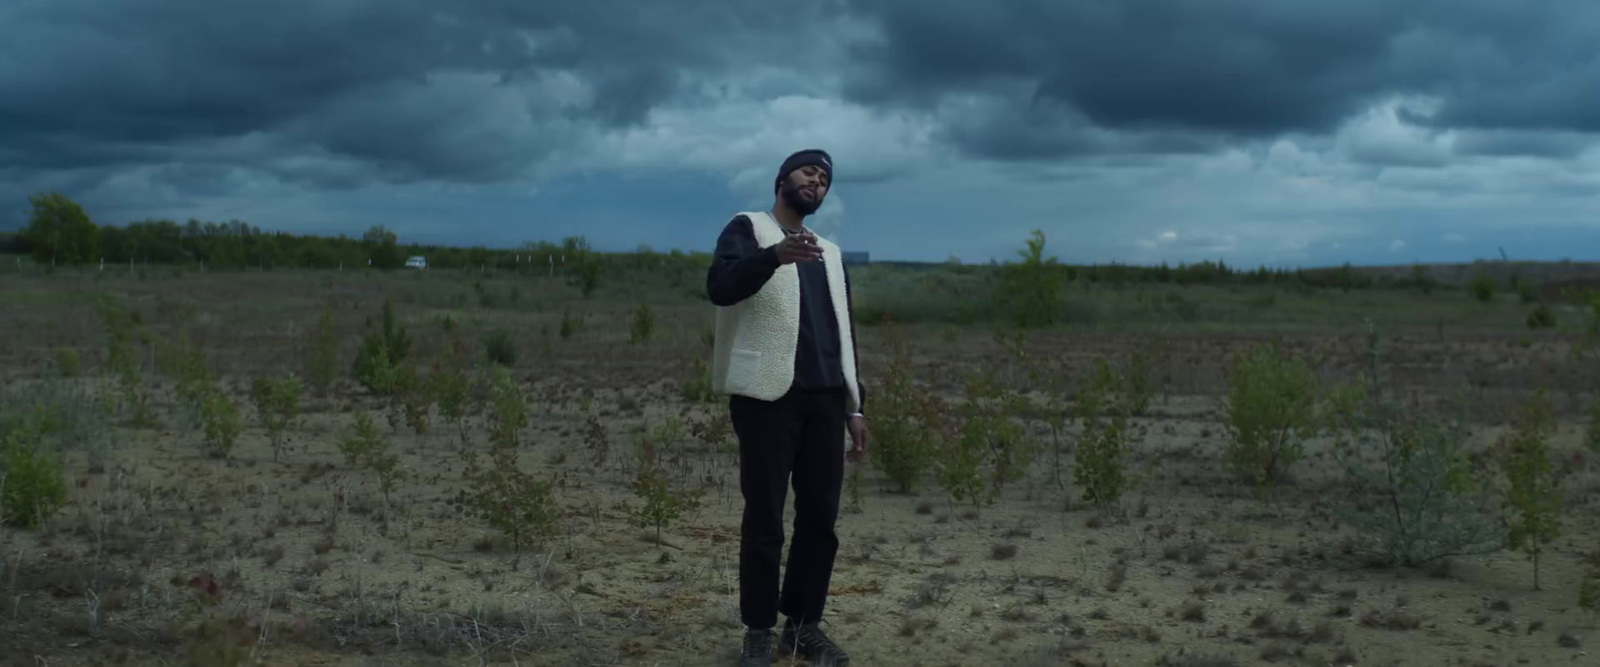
<point x="792" y="197"/>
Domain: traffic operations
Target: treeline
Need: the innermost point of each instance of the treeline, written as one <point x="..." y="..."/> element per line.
<point x="60" y="232"/>
<point x="1344" y="277"/>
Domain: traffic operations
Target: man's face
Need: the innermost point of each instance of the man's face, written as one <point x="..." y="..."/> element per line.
<point x="805" y="189"/>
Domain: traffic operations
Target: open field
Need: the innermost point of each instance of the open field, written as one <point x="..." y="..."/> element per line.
<point x="317" y="564"/>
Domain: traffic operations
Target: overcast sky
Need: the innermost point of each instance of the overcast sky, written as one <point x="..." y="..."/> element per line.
<point x="1285" y="132"/>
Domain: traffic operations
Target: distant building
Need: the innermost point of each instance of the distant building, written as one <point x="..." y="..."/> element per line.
<point x="858" y="257"/>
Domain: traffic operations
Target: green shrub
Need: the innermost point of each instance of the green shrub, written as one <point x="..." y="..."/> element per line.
<point x="508" y="410"/>
<point x="664" y="441"/>
<point x="219" y="417"/>
<point x="363" y="445"/>
<point x="662" y="503"/>
<point x="124" y="330"/>
<point x="363" y="442"/>
<point x="959" y="465"/>
<point x="67" y="362"/>
<point x="696" y="385"/>
<point x="1002" y="443"/>
<point x="412" y="401"/>
<point x="1139" y="388"/>
<point x="500" y="348"/>
<point x="1481" y="287"/>
<point x="1100" y="460"/>
<point x="183" y="361"/>
<point x="1030" y="290"/>
<point x="396" y="342"/>
<point x="902" y="448"/>
<point x="1051" y="379"/>
<point x="1533" y="494"/>
<point x="586" y="272"/>
<point x="1527" y="291"/>
<point x="987" y="440"/>
<point x="452" y="388"/>
<point x="277" y="404"/>
<point x="1420" y="501"/>
<point x="1270" y="413"/>
<point x="373" y="368"/>
<point x="387" y="466"/>
<point x="502" y="494"/>
<point x="1541" y="317"/>
<point x="381" y="353"/>
<point x="121" y="357"/>
<point x="32" y="485"/>
<point x="644" y="324"/>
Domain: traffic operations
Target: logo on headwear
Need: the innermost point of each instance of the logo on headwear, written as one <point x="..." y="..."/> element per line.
<point x="826" y="162"/>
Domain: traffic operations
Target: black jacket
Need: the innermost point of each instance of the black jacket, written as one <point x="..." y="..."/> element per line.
<point x="739" y="269"/>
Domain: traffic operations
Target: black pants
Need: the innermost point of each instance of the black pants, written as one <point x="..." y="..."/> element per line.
<point x="801" y="434"/>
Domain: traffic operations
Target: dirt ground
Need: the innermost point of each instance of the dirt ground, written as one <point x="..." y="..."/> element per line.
<point x="1195" y="570"/>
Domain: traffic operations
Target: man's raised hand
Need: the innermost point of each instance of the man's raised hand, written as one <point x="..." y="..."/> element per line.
<point x="801" y="247"/>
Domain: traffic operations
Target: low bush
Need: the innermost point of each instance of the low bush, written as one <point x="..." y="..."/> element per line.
<point x="1532" y="493"/>
<point x="32" y="485"/>
<point x="1271" y="412"/>
<point x="1419" y="499"/>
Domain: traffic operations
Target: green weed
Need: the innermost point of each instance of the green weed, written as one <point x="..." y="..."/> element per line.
<point x="695" y="386"/>
<point x="903" y="449"/>
<point x="500" y="349"/>
<point x="643" y="326"/>
<point x="67" y="362"/>
<point x="32" y="485"/>
<point x="508" y="410"/>
<point x="1030" y="290"/>
<point x="662" y="503"/>
<point x="363" y="442"/>
<point x="277" y="404"/>
<point x="1533" y="493"/>
<point x="219" y="418"/>
<point x="1481" y="287"/>
<point x="381" y="353"/>
<point x="1101" y="458"/>
<point x="509" y="500"/>
<point x="1271" y="407"/>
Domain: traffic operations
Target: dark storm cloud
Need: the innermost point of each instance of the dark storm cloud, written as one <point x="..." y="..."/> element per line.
<point x="1238" y="68"/>
<point x="102" y="82"/>
<point x="338" y="93"/>
<point x="1045" y="129"/>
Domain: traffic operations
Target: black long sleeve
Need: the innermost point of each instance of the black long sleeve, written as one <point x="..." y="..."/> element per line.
<point x="739" y="266"/>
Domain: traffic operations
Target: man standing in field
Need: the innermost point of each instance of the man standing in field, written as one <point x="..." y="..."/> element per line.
<point x="785" y="354"/>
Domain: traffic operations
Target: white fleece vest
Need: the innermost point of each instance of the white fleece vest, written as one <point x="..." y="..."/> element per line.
<point x="755" y="340"/>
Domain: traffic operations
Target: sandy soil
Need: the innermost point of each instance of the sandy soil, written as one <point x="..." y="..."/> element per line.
<point x="1195" y="570"/>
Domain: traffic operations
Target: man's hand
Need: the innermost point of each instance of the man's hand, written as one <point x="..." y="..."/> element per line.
<point x="858" y="439"/>
<point x="801" y="247"/>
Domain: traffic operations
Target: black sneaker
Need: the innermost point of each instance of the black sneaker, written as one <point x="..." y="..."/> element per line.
<point x="808" y="641"/>
<point x="757" y="651"/>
